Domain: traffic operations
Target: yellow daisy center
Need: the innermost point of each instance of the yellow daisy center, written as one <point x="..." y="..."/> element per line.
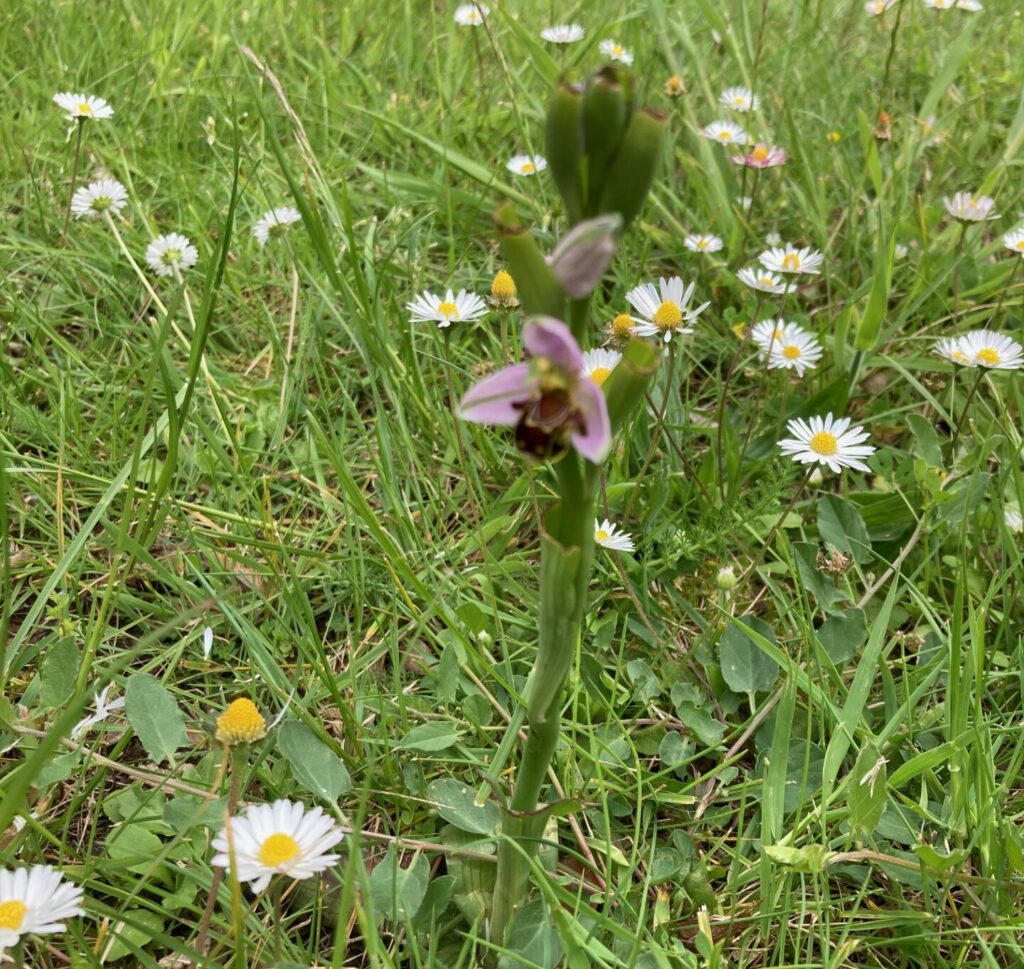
<point x="527" y="168"/>
<point x="703" y="243"/>
<point x="667" y="316"/>
<point x="791" y="262"/>
<point x="725" y="135"/>
<point x="503" y="286"/>
<point x="739" y="101"/>
<point x="760" y="153"/>
<point x="622" y="325"/>
<point x="824" y="443"/>
<point x="241" y="723"/>
<point x="618" y="50"/>
<point x="278" y="849"/>
<point x="988" y="355"/>
<point x="171" y="257"/>
<point x="600" y="374"/>
<point x="1019" y="244"/>
<point x="766" y="281"/>
<point x="791" y="352"/>
<point x="84" y="107"/>
<point x="12" y="913"/>
<point x="600" y="535"/>
<point x="448" y="310"/>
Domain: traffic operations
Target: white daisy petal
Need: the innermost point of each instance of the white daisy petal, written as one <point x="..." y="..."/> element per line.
<point x="169" y="253"/>
<point x="96" y="198"/>
<point x="83" y="106"/>
<point x="827" y="442"/>
<point x="273" y="223"/>
<point x="610" y="536"/>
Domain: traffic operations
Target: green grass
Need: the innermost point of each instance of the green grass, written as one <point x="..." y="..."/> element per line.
<point x="369" y="566"/>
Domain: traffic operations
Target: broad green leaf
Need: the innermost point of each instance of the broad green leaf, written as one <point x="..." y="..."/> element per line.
<point x="58" y="675"/>
<point x="398" y="892"/>
<point x="314" y="765"/>
<point x="811" y="859"/>
<point x="138" y="928"/>
<point x="457" y="804"/>
<point x="866" y="791"/>
<point x="532" y="940"/>
<point x="439" y="894"/>
<point x="745" y="667"/>
<point x="840" y="524"/>
<point x="803" y="773"/>
<point x="154" y="716"/>
<point x="133" y="846"/>
<point x="842" y="634"/>
<point x="878" y="301"/>
<point x="429" y="738"/>
<point x="812" y="579"/>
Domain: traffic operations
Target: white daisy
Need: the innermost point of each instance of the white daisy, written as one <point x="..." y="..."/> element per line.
<point x="769" y="333"/>
<point x="984" y="348"/>
<point x="171" y="252"/>
<point x="702" y="242"/>
<point x="273" y="223"/>
<point x="563" y="34"/>
<point x="526" y="164"/>
<point x="970" y="208"/>
<point x="599" y="364"/>
<point x="950" y="349"/>
<point x="102" y="709"/>
<point x="83" y="106"/>
<point x="900" y="250"/>
<point x="428" y="308"/>
<point x="1014" y="520"/>
<point x="764" y="281"/>
<point x="105" y="195"/>
<point x="971" y="5"/>
<point x="35" y="901"/>
<point x="471" y="14"/>
<point x="1014" y="241"/>
<point x="280" y="838"/>
<point x="744" y="201"/>
<point x="876" y="7"/>
<point x="725" y="133"/>
<point x="663" y="313"/>
<point x="608" y="535"/>
<point x="797" y="350"/>
<point x="739" y="99"/>
<point x="823" y="440"/>
<point x="789" y="259"/>
<point x="615" y="50"/>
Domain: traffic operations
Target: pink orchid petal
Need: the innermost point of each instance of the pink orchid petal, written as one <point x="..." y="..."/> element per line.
<point x="595" y="443"/>
<point x="544" y="336"/>
<point x="493" y="399"/>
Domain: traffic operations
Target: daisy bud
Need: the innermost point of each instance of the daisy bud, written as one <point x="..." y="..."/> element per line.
<point x="241" y="723"/>
<point x="726" y="578"/>
<point x="816" y="478"/>
<point x="630" y="176"/>
<point x="621" y="328"/>
<point x="539" y="290"/>
<point x="503" y="291"/>
<point x="563" y="145"/>
<point x="674" y="86"/>
<point x="581" y="257"/>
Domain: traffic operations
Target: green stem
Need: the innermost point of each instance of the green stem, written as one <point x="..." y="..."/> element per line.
<point x="658" y="425"/>
<point x="74" y="177"/>
<point x="963" y="414"/>
<point x="956" y="270"/>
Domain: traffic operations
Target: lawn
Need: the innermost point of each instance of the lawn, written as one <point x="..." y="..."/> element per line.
<point x="783" y="707"/>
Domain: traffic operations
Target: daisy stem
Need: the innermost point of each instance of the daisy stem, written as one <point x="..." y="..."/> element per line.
<point x="131" y="261"/>
<point x="760" y="44"/>
<point x="74" y="177"/>
<point x="956" y="270"/>
<point x="778" y="524"/>
<point x="720" y="439"/>
<point x="278" y="892"/>
<point x="749" y="215"/>
<point x="963" y="414"/>
<point x="658" y="424"/>
<point x="18" y="954"/>
<point x="890" y="55"/>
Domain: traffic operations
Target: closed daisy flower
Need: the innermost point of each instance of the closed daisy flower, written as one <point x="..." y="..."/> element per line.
<point x="702" y="242"/>
<point x="280" y="838"/>
<point x="83" y="106"/>
<point x="789" y="259"/>
<point x="608" y="535"/>
<point x="429" y="308"/>
<point x="822" y="440"/>
<point x="169" y="253"/>
<point x="273" y="223"/>
<point x="984" y="348"/>
<point x="674" y="86"/>
<point x="471" y="14"/>
<point x="725" y="133"/>
<point x="615" y="50"/>
<point x="764" y="281"/>
<point x="35" y="901"/>
<point x="663" y="313"/>
<point x="503" y="291"/>
<point x="761" y="156"/>
<point x="621" y="329"/>
<point x="599" y="364"/>
<point x="563" y="34"/>
<point x="970" y="208"/>
<point x="241" y="723"/>
<point x="1014" y="520"/>
<point x="93" y="200"/>
<point x="1014" y="241"/>
<point x="739" y="99"/>
<point x="796" y="350"/>
<point x="526" y="164"/>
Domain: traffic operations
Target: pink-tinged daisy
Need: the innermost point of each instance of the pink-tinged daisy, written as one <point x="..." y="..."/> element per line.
<point x="789" y="259"/>
<point x="740" y="99"/>
<point x="83" y="106"/>
<point x="664" y="309"/>
<point x="548" y="400"/>
<point x="615" y="50"/>
<point x="725" y="133"/>
<point x="280" y="838"/>
<point x="761" y="156"/>
<point x="599" y="364"/>
<point x="970" y="208"/>
<point x="796" y="350"/>
<point x="96" y="198"/>
<point x="822" y="440"/>
<point x="703" y="242"/>
<point x="471" y="14"/>
<point x="430" y="308"/>
<point x="35" y="901"/>
<point x="526" y="164"/>
<point x="1014" y="241"/>
<point x="563" y="34"/>
<point x="764" y="281"/>
<point x="611" y="536"/>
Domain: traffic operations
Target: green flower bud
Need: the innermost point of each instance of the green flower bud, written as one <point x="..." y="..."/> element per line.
<point x="630" y="176"/>
<point x="726" y="578"/>
<point x="563" y="145"/>
<point x="539" y="290"/>
<point x="605" y="114"/>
